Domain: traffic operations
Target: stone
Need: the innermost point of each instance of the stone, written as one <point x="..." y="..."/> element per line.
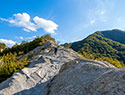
<point x="80" y="77"/>
<point x="43" y="67"/>
<point x="64" y="72"/>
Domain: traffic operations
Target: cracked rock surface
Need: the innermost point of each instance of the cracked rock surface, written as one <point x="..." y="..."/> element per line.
<point x="80" y="77"/>
<point x="44" y="65"/>
<point x="64" y="73"/>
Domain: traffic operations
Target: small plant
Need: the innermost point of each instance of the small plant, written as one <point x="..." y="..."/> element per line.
<point x="42" y="48"/>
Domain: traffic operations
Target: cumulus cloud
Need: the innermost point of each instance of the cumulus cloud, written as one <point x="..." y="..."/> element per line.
<point x="24" y="20"/>
<point x="9" y="43"/>
<point x="47" y="25"/>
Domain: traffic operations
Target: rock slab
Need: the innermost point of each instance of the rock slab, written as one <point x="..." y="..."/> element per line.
<point x="45" y="64"/>
<point x="55" y="70"/>
<point x="80" y="77"/>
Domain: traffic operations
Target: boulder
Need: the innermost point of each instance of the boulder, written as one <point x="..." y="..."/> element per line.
<point x="44" y="65"/>
<point x="87" y="77"/>
<point x="55" y="70"/>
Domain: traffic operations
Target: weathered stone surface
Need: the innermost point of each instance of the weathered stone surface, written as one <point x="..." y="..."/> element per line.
<point x="80" y="77"/>
<point x="44" y="65"/>
<point x="64" y="73"/>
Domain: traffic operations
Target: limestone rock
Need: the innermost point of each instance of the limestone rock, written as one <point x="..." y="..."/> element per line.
<point x="44" y="65"/>
<point x="80" y="77"/>
<point x="55" y="70"/>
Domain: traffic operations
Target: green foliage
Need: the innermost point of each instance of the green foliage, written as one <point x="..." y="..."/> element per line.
<point x="42" y="48"/>
<point x="9" y="64"/>
<point x="67" y="45"/>
<point x="2" y="47"/>
<point x="25" y="47"/>
<point x="99" y="47"/>
<point x="115" y="35"/>
<point x="10" y="61"/>
<point x="114" y="62"/>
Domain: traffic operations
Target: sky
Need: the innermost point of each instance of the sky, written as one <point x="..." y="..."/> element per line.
<point x="65" y="20"/>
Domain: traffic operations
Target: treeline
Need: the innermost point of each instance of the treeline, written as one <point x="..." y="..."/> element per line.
<point x="98" y="47"/>
<point x="25" y="47"/>
<point x="10" y="61"/>
<point x="111" y="60"/>
<point x="115" y="35"/>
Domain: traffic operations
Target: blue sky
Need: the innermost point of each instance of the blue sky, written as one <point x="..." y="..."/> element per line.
<point x="65" y="20"/>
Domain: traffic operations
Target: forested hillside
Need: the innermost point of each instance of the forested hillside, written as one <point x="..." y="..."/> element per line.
<point x="115" y="35"/>
<point x="105" y="45"/>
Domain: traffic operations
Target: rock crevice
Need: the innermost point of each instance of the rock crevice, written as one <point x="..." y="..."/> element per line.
<point x="64" y="73"/>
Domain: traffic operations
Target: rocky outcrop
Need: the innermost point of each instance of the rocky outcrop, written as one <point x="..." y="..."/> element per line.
<point x="45" y="64"/>
<point x="55" y="70"/>
<point x="82" y="77"/>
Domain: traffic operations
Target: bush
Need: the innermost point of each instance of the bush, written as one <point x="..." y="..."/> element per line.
<point x="9" y="58"/>
<point x="10" y="64"/>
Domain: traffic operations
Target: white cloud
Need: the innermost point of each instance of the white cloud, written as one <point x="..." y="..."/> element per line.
<point x="102" y="12"/>
<point x="21" y="38"/>
<point x="29" y="38"/>
<point x="47" y="25"/>
<point x="9" y="43"/>
<point x="26" y="30"/>
<point x="26" y="38"/>
<point x="92" y="21"/>
<point x="3" y="19"/>
<point x="24" y="20"/>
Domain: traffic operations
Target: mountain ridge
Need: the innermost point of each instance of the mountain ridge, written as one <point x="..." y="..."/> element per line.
<point x="58" y="70"/>
<point x="97" y="46"/>
<point x="44" y="65"/>
<point x="115" y="35"/>
<point x="63" y="73"/>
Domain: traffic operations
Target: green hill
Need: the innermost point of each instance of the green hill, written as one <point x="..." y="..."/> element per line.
<point x="115" y="35"/>
<point x="103" y="45"/>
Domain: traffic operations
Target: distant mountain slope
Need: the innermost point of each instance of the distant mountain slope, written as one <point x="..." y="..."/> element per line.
<point x="115" y="35"/>
<point x="105" y="45"/>
<point x="64" y="73"/>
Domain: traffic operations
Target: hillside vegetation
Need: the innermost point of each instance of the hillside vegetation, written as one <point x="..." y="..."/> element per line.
<point x="103" y="45"/>
<point x="25" y="47"/>
<point x="115" y="35"/>
<point x="2" y="47"/>
<point x="10" y="60"/>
